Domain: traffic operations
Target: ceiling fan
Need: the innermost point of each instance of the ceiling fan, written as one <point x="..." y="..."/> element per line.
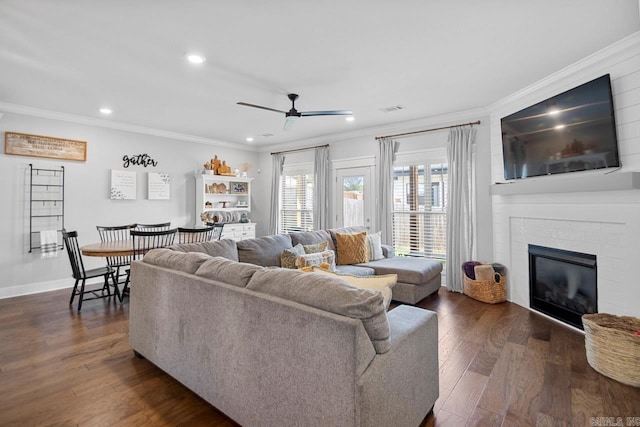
<point x="293" y="114"/>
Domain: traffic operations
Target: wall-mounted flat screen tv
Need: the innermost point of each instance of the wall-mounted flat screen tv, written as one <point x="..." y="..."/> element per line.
<point x="572" y="131"/>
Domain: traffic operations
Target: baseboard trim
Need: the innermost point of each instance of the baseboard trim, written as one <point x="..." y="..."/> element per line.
<point x="35" y="288"/>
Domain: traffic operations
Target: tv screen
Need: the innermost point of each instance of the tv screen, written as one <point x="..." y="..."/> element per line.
<point x="572" y="131"/>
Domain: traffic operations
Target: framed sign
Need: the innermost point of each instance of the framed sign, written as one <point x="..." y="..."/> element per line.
<point x="123" y="185"/>
<point x="159" y="186"/>
<point x="24" y="144"/>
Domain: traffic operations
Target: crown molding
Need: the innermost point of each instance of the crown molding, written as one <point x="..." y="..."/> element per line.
<point x="619" y="51"/>
<point x="90" y="121"/>
<point x="448" y="119"/>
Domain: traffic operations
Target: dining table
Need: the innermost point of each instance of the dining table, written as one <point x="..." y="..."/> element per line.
<point x="114" y="248"/>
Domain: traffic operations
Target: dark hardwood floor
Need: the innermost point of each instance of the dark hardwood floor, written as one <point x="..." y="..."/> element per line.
<point x="499" y="365"/>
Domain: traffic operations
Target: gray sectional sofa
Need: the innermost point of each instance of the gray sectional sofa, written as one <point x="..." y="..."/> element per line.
<point x="417" y="277"/>
<point x="272" y="346"/>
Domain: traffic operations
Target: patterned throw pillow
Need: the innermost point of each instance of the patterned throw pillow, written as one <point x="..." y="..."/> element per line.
<point x="310" y="260"/>
<point x="288" y="256"/>
<point x="374" y="242"/>
<point x="352" y="248"/>
<point x="315" y="248"/>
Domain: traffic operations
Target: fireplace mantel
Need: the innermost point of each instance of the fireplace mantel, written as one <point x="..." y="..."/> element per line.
<point x="613" y="181"/>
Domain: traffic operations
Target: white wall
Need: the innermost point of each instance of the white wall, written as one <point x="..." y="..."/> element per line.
<point x="606" y="224"/>
<point x="87" y="202"/>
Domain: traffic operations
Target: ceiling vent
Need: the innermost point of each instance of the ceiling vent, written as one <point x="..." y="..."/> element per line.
<point x="390" y="109"/>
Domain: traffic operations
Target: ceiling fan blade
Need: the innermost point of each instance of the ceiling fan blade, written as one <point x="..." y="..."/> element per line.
<point x="289" y="122"/>
<point x="261" y="107"/>
<point x="327" y="113"/>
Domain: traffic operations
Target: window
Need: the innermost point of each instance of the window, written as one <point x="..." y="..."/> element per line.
<point x="419" y="209"/>
<point x="296" y="201"/>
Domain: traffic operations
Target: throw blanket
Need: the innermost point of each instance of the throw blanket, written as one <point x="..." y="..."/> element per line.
<point x="49" y="243"/>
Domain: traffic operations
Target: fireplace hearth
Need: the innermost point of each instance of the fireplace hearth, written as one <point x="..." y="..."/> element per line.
<point x="562" y="284"/>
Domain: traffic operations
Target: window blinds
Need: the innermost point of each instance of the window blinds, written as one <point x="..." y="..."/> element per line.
<point x="419" y="210"/>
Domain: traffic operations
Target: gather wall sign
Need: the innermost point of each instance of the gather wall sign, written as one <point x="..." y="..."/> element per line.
<point x="139" y="160"/>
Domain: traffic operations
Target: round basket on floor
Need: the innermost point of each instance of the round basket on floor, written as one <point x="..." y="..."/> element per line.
<point x="488" y="291"/>
<point x="613" y="346"/>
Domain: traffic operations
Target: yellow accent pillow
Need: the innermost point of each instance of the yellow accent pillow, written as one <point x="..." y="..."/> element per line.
<point x="352" y="248"/>
<point x="382" y="283"/>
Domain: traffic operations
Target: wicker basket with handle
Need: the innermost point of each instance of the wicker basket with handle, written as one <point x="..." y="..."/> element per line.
<point x="613" y="346"/>
<point x="489" y="291"/>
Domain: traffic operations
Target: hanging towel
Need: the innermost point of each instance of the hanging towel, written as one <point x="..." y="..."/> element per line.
<point x="49" y="243"/>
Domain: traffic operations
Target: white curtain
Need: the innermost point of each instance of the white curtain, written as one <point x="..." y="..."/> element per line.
<point x="387" y="150"/>
<point x="321" y="183"/>
<point x="277" y="162"/>
<point x="460" y="206"/>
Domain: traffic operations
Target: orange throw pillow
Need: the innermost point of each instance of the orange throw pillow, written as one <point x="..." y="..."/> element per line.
<point x="352" y="248"/>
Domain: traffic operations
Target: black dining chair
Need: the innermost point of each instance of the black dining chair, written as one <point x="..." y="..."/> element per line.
<point x="117" y="233"/>
<point x="70" y="239"/>
<point x="143" y="242"/>
<point x="195" y="235"/>
<point x="162" y="226"/>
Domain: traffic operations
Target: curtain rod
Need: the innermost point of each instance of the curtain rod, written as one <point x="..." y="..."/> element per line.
<point x="299" y="149"/>
<point x="477" y="122"/>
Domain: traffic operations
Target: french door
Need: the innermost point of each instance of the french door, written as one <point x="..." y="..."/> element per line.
<point x="354" y="197"/>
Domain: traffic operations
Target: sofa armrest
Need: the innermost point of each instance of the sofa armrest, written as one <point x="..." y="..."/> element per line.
<point x="404" y="380"/>
<point x="388" y="251"/>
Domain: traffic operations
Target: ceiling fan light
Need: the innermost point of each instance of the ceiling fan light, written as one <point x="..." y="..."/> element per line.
<point x="289" y="122"/>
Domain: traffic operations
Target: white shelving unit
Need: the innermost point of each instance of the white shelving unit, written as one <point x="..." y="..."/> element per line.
<point x="226" y="197"/>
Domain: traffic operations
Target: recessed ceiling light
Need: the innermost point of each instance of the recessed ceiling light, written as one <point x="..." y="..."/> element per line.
<point x="105" y="110"/>
<point x="249" y="139"/>
<point x="349" y="118"/>
<point x="195" y="58"/>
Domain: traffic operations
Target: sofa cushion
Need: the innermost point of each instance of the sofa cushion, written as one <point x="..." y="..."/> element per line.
<point x="225" y="248"/>
<point x="226" y="271"/>
<point x="352" y="248"/>
<point x="409" y="269"/>
<point x="288" y="256"/>
<point x="329" y="294"/>
<point x="355" y="270"/>
<point x="311" y="237"/>
<point x="310" y="260"/>
<point x="187" y="262"/>
<point x="265" y="251"/>
<point x="382" y="283"/>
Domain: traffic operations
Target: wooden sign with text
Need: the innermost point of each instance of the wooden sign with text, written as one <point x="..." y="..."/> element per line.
<point x="23" y="144"/>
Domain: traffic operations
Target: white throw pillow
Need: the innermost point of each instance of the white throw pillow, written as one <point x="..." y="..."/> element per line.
<point x="374" y="242"/>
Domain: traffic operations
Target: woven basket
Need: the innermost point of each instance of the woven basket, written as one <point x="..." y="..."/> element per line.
<point x="488" y="291"/>
<point x="613" y="348"/>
